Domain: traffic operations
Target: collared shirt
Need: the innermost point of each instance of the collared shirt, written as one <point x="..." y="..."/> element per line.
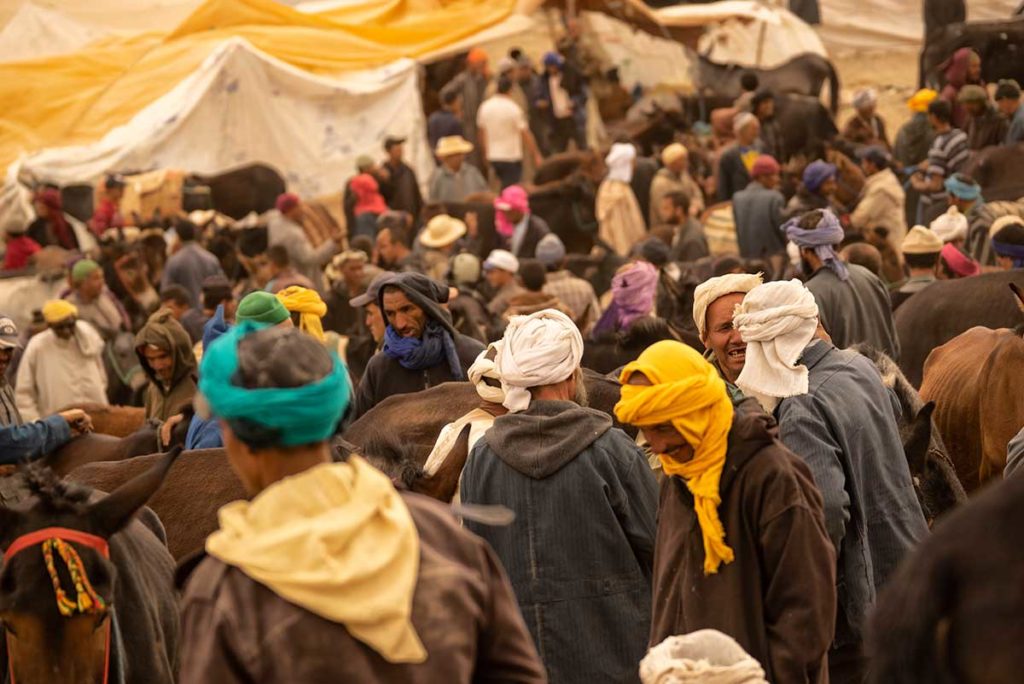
<point x="454" y="186"/>
<point x="576" y="294"/>
<point x="917" y="283"/>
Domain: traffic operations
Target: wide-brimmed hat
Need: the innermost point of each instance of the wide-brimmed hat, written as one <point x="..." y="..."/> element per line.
<point x="441" y="231"/>
<point x="453" y="144"/>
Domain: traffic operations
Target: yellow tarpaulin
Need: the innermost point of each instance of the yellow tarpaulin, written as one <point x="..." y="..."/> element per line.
<point x="78" y="97"/>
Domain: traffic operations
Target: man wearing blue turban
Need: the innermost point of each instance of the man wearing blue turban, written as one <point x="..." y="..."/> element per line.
<point x="329" y="573"/>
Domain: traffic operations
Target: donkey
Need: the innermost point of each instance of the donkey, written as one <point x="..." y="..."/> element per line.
<point x="86" y="590"/>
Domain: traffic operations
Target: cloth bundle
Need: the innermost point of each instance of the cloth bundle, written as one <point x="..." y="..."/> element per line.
<point x="777" y="321"/>
<point x="951" y="225"/>
<point x="706" y="656"/>
<point x="540" y="349"/>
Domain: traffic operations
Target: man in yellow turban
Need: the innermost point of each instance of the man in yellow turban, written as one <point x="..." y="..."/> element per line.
<point x="741" y="544"/>
<point x="308" y="305"/>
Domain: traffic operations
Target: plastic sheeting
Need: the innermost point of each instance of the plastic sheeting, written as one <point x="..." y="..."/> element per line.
<point x="244" y="106"/>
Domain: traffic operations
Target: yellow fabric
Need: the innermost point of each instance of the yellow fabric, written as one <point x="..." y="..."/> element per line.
<point x="57" y="310"/>
<point x="688" y="393"/>
<point x="920" y="100"/>
<point x="78" y="97"/>
<point x="338" y="541"/>
<point x="308" y="305"/>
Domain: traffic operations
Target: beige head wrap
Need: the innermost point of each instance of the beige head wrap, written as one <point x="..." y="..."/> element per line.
<point x="540" y="349"/>
<point x="706" y="656"/>
<point x="710" y="290"/>
<point x="484" y="367"/>
<point x="777" y="321"/>
<point x="950" y="225"/>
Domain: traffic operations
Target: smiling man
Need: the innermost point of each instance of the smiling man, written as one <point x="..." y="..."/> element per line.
<point x="165" y="352"/>
<point x="713" y="303"/>
<point x="741" y="544"/>
<point x="421" y="347"/>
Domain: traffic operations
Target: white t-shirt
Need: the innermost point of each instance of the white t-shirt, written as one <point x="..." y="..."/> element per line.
<point x="504" y="122"/>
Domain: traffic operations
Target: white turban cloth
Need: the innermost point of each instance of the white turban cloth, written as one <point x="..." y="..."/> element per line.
<point x="540" y="349"/>
<point x="741" y="121"/>
<point x="484" y="367"/>
<point x="710" y="290"/>
<point x="777" y="321"/>
<point x="950" y="226"/>
<point x="620" y="162"/>
<point x="864" y="98"/>
<point x="706" y="656"/>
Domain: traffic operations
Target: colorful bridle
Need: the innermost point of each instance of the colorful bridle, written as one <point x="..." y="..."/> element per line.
<point x="87" y="601"/>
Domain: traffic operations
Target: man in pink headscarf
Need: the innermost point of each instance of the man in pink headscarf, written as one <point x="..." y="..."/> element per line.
<point x="518" y="230"/>
<point x="633" y="291"/>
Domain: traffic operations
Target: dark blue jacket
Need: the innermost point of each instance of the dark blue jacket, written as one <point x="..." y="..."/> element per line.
<point x="580" y="551"/>
<point x="33" y="440"/>
<point x="845" y="430"/>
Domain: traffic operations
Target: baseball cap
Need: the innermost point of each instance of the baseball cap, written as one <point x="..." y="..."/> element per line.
<point x="372" y="290"/>
<point x="8" y="333"/>
<point x="503" y="259"/>
<point x="392" y="140"/>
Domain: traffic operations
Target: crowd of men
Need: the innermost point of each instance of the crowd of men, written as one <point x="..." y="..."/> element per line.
<point x="785" y="501"/>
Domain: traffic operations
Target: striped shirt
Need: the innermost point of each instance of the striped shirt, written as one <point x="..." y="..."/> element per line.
<point x="949" y="152"/>
<point x="577" y="294"/>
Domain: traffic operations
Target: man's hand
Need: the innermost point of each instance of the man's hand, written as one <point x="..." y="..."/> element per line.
<point x="168" y="427"/>
<point x="78" y="420"/>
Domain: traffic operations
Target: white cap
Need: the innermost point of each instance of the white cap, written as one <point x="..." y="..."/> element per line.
<point x="503" y="259"/>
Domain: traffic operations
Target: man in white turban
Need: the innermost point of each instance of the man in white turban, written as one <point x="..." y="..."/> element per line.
<point x="585" y="502"/>
<point x="951" y="226"/>
<point x="620" y="221"/>
<point x="835" y="413"/>
<point x="714" y="301"/>
<point x="865" y="127"/>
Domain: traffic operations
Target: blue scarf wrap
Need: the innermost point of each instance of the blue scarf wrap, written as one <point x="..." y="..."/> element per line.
<point x="436" y="345"/>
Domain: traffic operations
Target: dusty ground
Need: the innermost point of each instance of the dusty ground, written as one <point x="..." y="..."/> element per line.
<point x="892" y="73"/>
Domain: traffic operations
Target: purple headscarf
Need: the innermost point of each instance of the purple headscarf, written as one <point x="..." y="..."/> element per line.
<point x="822" y="239"/>
<point x="633" y="293"/>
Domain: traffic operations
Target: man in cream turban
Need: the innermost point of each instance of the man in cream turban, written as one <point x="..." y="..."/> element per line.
<point x="719" y="461"/>
<point x="835" y="413"/>
<point x="584" y="499"/>
<point x="713" y="303"/>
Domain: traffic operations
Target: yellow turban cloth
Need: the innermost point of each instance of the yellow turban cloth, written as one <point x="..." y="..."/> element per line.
<point x="308" y="305"/>
<point x="688" y="393"/>
<point x="56" y="310"/>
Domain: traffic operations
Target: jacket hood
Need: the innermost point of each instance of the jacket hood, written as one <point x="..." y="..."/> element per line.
<point x="162" y="330"/>
<point x="750" y="432"/>
<point x="537" y="442"/>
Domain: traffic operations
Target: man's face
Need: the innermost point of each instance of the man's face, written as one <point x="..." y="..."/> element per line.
<point x="670" y="213"/>
<point x="160" y="361"/>
<point x="92" y="286"/>
<point x="975" y="108"/>
<point x="395" y="153"/>
<point x="295" y="213"/>
<point x="406" y="318"/>
<point x="177" y="310"/>
<point x="722" y="338"/>
<point x="678" y="165"/>
<point x="230" y="307"/>
<point x="663" y="439"/>
<point x="748" y="134"/>
<point x="828" y="188"/>
<point x="375" y="322"/>
<point x="514" y="215"/>
<point x="6" y="354"/>
<point x="1007" y="106"/>
<point x="974" y="69"/>
<point x="934" y="122"/>
<point x="765" y="109"/>
<point x="497" y="277"/>
<point x="869" y="168"/>
<point x="453" y="161"/>
<point x="115" y="194"/>
<point x="352" y="272"/>
<point x="770" y="181"/>
<point x="64" y="329"/>
<point x="385" y="248"/>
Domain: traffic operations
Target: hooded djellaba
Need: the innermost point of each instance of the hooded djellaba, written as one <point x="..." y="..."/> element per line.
<point x="167" y="394"/>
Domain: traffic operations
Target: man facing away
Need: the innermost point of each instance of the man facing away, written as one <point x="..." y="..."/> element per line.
<point x="503" y="135"/>
<point x="421" y="348"/>
<point x="921" y="249"/>
<point x="758" y="212"/>
<point x="165" y="352"/>
<point x="330" y="574"/>
<point x="285" y="228"/>
<point x="579" y="552"/>
<point x="741" y="543"/>
<point x="62" y="366"/>
<point x="853" y="303"/>
<point x="835" y="413"/>
<point x="575" y="293"/>
<point x="191" y="264"/>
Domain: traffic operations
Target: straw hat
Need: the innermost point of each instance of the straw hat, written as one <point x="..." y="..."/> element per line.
<point x="920" y="240"/>
<point x="453" y="144"/>
<point x="441" y="231"/>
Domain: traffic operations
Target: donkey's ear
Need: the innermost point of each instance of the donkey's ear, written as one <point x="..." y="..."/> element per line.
<point x="113" y="512"/>
<point x="919" y="439"/>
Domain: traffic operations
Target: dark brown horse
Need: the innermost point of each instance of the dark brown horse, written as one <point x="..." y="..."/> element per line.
<point x="129" y="631"/>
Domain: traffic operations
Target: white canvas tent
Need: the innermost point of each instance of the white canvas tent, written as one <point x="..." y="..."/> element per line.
<point x="244" y="106"/>
<point x="36" y="31"/>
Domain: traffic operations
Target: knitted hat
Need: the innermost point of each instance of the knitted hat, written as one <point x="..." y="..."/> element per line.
<point x="920" y="240"/>
<point x="550" y="250"/>
<point x="261" y="307"/>
<point x="82" y="270"/>
<point x="765" y="165"/>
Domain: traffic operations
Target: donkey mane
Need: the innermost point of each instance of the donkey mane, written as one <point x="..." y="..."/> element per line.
<point x="397" y="459"/>
<point x="53" y="493"/>
<point x="892" y="377"/>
